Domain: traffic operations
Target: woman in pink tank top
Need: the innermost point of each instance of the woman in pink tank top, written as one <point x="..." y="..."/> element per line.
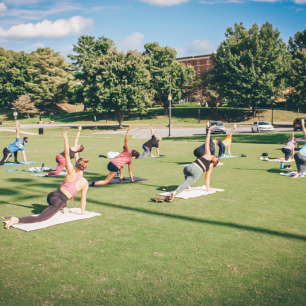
<point x="73" y="183"/>
<point x="117" y="163"/>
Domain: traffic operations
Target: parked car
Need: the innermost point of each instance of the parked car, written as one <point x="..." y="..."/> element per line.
<point x="262" y="126"/>
<point x="219" y="128"/>
<point x="297" y="124"/>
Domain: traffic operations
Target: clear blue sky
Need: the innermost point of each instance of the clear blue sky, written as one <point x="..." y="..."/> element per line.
<point x="193" y="27"/>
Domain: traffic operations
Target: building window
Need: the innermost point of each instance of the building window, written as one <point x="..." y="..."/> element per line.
<point x="198" y="70"/>
<point x="188" y="63"/>
<point x="199" y="62"/>
<point x="207" y="68"/>
<point x="208" y="62"/>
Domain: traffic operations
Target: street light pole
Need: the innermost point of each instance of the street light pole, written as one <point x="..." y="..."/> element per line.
<point x="272" y="100"/>
<point x="169" y="99"/>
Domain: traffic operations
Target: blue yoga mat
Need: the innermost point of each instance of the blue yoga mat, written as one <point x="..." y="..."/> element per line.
<point x="21" y="163"/>
<point x="227" y="156"/>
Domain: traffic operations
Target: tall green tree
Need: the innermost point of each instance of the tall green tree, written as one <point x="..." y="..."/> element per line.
<point x="162" y="64"/>
<point x="14" y="74"/>
<point x="251" y="65"/>
<point x="52" y="79"/>
<point x="87" y="50"/>
<point x="297" y="43"/>
<point x="297" y="97"/>
<point x="120" y="83"/>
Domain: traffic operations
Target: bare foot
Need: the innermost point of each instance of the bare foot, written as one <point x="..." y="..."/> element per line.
<point x="66" y="210"/>
<point x="172" y="195"/>
<point x="296" y="176"/>
<point x="189" y="188"/>
<point x="13" y="221"/>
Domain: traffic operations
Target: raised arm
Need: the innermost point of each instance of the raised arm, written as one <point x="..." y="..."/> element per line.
<point x="69" y="166"/>
<point x="207" y="140"/>
<point x="17" y="130"/>
<point x="303" y="127"/>
<point x="233" y="129"/>
<point x="151" y="127"/>
<point x="83" y="198"/>
<point x="77" y="136"/>
<point x="130" y="172"/>
<point x="126" y="140"/>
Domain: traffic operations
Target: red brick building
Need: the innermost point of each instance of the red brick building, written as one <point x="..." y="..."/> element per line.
<point x="199" y="63"/>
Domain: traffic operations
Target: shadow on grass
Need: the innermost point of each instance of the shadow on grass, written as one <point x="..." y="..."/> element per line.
<point x="37" y="208"/>
<point x="205" y="221"/>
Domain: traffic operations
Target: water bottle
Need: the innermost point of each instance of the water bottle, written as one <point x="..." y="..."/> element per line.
<point x="282" y="165"/>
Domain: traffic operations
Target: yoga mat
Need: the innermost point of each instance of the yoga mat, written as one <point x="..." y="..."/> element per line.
<point x="58" y="218"/>
<point x="195" y="192"/>
<point x="282" y="160"/>
<point x="227" y="156"/>
<point x="160" y="156"/>
<point x="125" y="180"/>
<point x="45" y="174"/>
<point x="21" y="163"/>
<point x="292" y="174"/>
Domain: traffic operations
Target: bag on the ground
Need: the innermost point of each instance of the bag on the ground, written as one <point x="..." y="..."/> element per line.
<point x="112" y="154"/>
<point x="264" y="154"/>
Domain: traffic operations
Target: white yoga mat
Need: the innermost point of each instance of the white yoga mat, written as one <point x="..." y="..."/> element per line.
<point x="58" y="218"/>
<point x="219" y="164"/>
<point x="292" y="174"/>
<point x="279" y="160"/>
<point x="195" y="192"/>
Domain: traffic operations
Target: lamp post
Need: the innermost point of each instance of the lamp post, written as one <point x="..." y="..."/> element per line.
<point x="169" y="99"/>
<point x="199" y="111"/>
<point x="272" y="100"/>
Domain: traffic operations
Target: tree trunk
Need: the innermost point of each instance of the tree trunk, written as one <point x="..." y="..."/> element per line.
<point x="119" y="116"/>
<point x="85" y="106"/>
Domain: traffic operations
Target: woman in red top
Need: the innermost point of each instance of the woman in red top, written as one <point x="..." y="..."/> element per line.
<point x="118" y="163"/>
<point x="73" y="183"/>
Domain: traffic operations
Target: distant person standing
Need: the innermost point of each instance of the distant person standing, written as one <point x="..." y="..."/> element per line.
<point x="15" y="114"/>
<point x="17" y="145"/>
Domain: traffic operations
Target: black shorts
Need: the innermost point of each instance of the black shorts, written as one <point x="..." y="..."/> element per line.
<point x="112" y="168"/>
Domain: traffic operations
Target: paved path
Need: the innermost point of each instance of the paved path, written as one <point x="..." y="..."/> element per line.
<point x="141" y="133"/>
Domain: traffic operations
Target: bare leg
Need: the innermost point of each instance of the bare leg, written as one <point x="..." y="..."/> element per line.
<point x="229" y="150"/>
<point x="121" y="173"/>
<point x="110" y="176"/>
<point x="13" y="221"/>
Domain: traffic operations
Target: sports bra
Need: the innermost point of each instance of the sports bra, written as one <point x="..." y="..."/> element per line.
<point x="203" y="163"/>
<point x="71" y="153"/>
<point x="70" y="186"/>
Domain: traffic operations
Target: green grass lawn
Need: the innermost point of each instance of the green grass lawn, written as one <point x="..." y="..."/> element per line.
<point x="243" y="246"/>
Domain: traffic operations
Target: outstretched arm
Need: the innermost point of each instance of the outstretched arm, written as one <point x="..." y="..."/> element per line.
<point x="17" y="130"/>
<point x="77" y="136"/>
<point x="207" y="141"/>
<point x="151" y="127"/>
<point x="69" y="167"/>
<point x="83" y="198"/>
<point x="130" y="172"/>
<point x="233" y="129"/>
<point x="303" y="127"/>
<point x="207" y="178"/>
<point x="126" y="140"/>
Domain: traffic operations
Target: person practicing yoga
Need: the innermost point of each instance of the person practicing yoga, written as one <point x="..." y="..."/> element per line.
<point x="300" y="156"/>
<point x="153" y="142"/>
<point x="17" y="145"/>
<point x="117" y="163"/>
<point x="200" y="151"/>
<point x="193" y="172"/>
<point x="288" y="149"/>
<point x="73" y="183"/>
<point x="73" y="153"/>
<point x="226" y="143"/>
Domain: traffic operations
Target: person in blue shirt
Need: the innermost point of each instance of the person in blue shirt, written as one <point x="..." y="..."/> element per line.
<point x="14" y="147"/>
<point x="300" y="157"/>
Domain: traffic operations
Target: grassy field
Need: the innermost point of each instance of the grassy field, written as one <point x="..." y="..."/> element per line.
<point x="243" y="246"/>
<point x="180" y="117"/>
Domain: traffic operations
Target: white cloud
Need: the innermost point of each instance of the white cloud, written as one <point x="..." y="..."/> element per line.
<point x="33" y="47"/>
<point x="46" y="29"/>
<point x="300" y="1"/>
<point x="244" y="1"/>
<point x="197" y="47"/>
<point x="164" y="2"/>
<point x="2" y="7"/>
<point x="131" y="42"/>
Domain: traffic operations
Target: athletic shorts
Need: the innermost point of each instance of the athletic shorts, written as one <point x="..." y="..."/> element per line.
<point x="112" y="168"/>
